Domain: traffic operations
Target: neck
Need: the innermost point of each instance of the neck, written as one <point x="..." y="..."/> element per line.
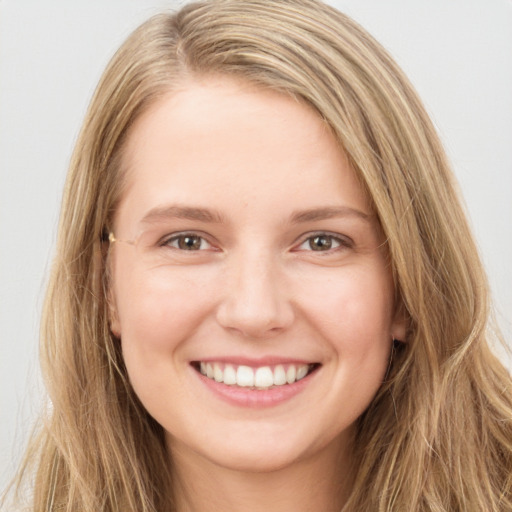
<point x="318" y="483"/>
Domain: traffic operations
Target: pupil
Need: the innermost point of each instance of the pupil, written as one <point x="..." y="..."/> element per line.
<point x="189" y="243"/>
<point x="320" y="243"/>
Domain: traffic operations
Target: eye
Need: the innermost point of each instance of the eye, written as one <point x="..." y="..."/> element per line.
<point x="187" y="242"/>
<point x="323" y="242"/>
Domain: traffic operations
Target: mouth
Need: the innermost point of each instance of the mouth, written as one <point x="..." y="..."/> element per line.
<point x="254" y="378"/>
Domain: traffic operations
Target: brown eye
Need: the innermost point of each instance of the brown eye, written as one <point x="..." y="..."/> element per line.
<point x="322" y="243"/>
<point x="188" y="242"/>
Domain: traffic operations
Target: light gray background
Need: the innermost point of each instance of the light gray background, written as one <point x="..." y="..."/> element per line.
<point x="458" y="53"/>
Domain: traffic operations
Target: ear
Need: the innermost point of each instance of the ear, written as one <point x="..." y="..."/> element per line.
<point x="104" y="282"/>
<point x="113" y="317"/>
<point x="108" y="287"/>
<point x="399" y="323"/>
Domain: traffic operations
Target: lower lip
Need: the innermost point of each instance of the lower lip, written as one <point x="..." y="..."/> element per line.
<point x="256" y="398"/>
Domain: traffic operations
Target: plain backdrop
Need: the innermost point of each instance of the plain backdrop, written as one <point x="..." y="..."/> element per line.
<point x="458" y="54"/>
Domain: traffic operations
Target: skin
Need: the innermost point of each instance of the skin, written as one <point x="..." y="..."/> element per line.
<point x="254" y="288"/>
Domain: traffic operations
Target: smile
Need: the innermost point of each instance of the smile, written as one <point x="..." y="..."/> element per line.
<point x="262" y="377"/>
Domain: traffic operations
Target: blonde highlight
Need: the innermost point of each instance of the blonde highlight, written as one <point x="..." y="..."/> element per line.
<point x="438" y="435"/>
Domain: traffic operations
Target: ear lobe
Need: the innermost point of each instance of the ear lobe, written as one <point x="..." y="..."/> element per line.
<point x="103" y="272"/>
<point x="399" y="324"/>
<point x="113" y="317"/>
<point x="108" y="289"/>
<point x="115" y="326"/>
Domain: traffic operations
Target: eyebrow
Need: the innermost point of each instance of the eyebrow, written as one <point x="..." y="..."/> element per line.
<point x="329" y="212"/>
<point x="182" y="212"/>
<point x="162" y="213"/>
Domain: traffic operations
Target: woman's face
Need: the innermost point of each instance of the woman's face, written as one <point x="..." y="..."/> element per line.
<point x="258" y="262"/>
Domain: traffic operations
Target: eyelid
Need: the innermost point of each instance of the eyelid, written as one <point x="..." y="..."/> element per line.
<point x="343" y="240"/>
<point x="167" y="239"/>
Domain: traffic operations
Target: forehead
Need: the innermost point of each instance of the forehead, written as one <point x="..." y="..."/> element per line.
<point x="228" y="143"/>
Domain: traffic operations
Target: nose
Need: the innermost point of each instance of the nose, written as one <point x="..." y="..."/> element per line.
<point x="255" y="300"/>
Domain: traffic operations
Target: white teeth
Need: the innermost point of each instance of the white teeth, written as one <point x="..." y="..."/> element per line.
<point x="279" y="375"/>
<point x="245" y="376"/>
<point x="263" y="377"/>
<point x="217" y="373"/>
<point x="229" y="375"/>
<point x="290" y="374"/>
<point x="302" y="371"/>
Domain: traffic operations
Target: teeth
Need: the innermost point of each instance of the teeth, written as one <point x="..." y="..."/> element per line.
<point x="279" y="375"/>
<point x="262" y="377"/>
<point x="302" y="371"/>
<point x="291" y="373"/>
<point x="217" y="373"/>
<point x="245" y="376"/>
<point x="229" y="375"/>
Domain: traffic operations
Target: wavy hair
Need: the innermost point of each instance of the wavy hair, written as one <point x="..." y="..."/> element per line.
<point x="438" y="435"/>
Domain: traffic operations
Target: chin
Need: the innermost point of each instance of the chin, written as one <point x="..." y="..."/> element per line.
<point x="255" y="461"/>
<point x="262" y="449"/>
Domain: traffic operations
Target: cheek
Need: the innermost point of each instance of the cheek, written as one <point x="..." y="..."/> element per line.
<point x="157" y="310"/>
<point x="158" y="313"/>
<point x="356" y="304"/>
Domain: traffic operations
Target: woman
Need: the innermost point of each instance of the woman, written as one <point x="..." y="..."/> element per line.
<point x="266" y="294"/>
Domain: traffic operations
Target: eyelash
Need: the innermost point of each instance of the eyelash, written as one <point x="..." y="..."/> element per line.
<point x="166" y="242"/>
<point x="340" y="242"/>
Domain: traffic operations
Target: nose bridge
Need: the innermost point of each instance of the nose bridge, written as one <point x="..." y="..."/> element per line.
<point x="255" y="301"/>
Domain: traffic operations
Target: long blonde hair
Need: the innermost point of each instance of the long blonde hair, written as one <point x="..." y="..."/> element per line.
<point x="438" y="435"/>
